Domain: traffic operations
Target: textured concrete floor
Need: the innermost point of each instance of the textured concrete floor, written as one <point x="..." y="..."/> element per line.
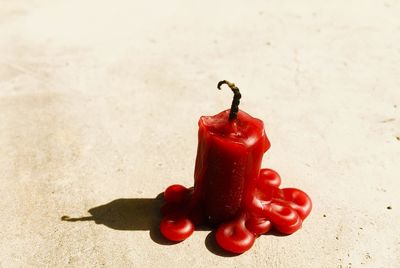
<point x="99" y="102"/>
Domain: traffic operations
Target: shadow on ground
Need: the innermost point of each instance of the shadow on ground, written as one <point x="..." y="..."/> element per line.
<point x="128" y="214"/>
<point x="143" y="214"/>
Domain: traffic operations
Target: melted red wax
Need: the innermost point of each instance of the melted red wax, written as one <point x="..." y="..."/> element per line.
<point x="230" y="191"/>
<point x="271" y="207"/>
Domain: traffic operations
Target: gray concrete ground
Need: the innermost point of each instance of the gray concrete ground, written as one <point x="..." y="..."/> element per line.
<point x="99" y="102"/>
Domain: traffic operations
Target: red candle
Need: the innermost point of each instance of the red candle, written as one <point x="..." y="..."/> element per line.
<point x="230" y="189"/>
<point x="229" y="156"/>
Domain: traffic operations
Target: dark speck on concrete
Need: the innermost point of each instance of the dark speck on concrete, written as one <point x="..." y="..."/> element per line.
<point x="388" y="120"/>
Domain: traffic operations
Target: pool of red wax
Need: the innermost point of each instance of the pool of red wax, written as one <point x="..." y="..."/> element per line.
<point x="230" y="190"/>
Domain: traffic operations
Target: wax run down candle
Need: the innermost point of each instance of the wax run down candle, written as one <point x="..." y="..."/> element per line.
<point x="230" y="190"/>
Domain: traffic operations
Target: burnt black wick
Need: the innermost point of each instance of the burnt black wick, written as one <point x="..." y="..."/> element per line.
<point x="236" y="98"/>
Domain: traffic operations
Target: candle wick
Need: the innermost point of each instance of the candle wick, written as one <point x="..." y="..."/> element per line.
<point x="236" y="98"/>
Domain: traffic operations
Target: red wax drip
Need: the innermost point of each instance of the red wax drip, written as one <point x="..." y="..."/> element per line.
<point x="284" y="209"/>
<point x="230" y="189"/>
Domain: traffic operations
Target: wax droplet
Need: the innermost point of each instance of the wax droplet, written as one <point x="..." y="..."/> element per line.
<point x="176" y="227"/>
<point x="258" y="225"/>
<point x="299" y="201"/>
<point x="270" y="177"/>
<point x="234" y="237"/>
<point x="176" y="194"/>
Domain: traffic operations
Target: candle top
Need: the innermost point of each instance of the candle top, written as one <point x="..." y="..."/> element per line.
<point x="244" y="129"/>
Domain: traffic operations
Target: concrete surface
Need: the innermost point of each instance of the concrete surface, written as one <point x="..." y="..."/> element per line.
<point x="99" y="102"/>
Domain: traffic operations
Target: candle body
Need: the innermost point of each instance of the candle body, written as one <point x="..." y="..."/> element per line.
<point x="228" y="162"/>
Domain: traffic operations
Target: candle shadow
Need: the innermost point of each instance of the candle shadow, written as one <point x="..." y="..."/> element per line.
<point x="143" y="214"/>
<point x="128" y="214"/>
<point x="274" y="232"/>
